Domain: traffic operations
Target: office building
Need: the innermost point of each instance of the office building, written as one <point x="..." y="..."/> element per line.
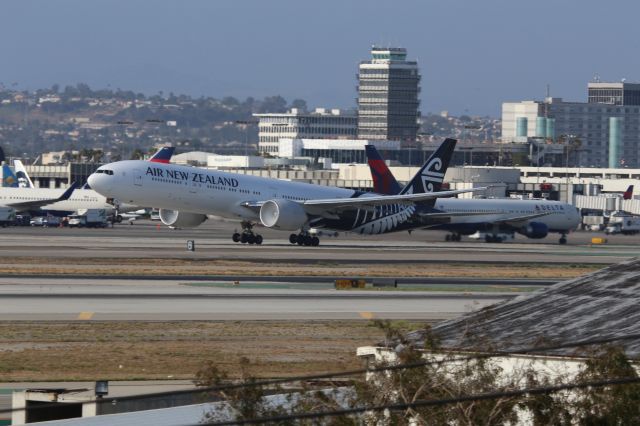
<point x="388" y="87"/>
<point x="622" y="93"/>
<point x="319" y="124"/>
<point x="604" y="132"/>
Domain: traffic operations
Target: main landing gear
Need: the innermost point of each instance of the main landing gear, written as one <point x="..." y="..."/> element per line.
<point x="304" y="239"/>
<point x="247" y="236"/>
<point x="453" y="237"/>
<point x="563" y="239"/>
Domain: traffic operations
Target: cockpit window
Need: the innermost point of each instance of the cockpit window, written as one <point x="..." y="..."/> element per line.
<point x="105" y="171"/>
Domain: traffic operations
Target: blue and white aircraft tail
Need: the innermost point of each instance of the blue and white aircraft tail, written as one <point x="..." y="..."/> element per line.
<point x="24" y="181"/>
<point x="9" y="179"/>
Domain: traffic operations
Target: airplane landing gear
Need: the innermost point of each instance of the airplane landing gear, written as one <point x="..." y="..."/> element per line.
<point x="247" y="236"/>
<point x="304" y="239"/>
<point x="453" y="237"/>
<point x="563" y="239"/>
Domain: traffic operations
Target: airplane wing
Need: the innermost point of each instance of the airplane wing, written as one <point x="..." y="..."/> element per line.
<point x="439" y="215"/>
<point x="519" y="220"/>
<point x="365" y="202"/>
<point x="35" y="204"/>
<point x="333" y="204"/>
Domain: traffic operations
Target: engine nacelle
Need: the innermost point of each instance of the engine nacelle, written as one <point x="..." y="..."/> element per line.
<point x="283" y="214"/>
<point x="535" y="230"/>
<point x="178" y="219"/>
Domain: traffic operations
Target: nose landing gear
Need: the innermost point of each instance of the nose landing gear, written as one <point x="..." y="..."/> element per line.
<point x="563" y="239"/>
<point x="247" y="236"/>
<point x="304" y="239"/>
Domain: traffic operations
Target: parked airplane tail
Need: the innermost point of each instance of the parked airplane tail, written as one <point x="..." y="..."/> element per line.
<point x="429" y="178"/>
<point x="9" y="180"/>
<point x="628" y="194"/>
<point x="383" y="181"/>
<point x="24" y="181"/>
<point x="163" y="155"/>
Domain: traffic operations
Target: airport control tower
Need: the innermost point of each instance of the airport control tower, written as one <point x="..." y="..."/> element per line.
<point x="388" y="87"/>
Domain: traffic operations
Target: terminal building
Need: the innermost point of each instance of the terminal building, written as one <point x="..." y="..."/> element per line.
<point x="388" y="88"/>
<point x="604" y="132"/>
<point x="321" y="123"/>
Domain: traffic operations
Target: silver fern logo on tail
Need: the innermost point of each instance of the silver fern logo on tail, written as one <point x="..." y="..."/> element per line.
<point x="431" y="175"/>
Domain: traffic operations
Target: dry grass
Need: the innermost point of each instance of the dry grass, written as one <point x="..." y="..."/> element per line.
<point x="106" y="266"/>
<point x="160" y="350"/>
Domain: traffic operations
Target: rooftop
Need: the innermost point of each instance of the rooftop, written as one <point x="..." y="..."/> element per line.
<point x="600" y="305"/>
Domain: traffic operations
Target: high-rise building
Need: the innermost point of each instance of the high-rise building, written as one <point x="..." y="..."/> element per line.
<point x="614" y="93"/>
<point x="319" y="124"/>
<point x="605" y="134"/>
<point x="388" y="87"/>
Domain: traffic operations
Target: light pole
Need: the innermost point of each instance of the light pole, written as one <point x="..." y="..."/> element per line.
<point x="246" y="123"/>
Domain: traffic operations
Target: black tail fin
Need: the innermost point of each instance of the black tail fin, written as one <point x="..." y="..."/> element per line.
<point x="429" y="178"/>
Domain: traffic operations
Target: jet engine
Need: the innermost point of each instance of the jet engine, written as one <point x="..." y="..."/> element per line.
<point x="535" y="230"/>
<point x="178" y="219"/>
<point x="283" y="214"/>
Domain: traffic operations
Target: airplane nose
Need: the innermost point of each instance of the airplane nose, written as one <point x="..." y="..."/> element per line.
<point x="92" y="180"/>
<point x="99" y="182"/>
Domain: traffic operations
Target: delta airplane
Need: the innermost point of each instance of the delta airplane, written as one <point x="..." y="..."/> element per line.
<point x="531" y="218"/>
<point x="186" y="195"/>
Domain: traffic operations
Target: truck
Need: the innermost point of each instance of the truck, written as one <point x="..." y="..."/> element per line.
<point x="89" y="218"/>
<point x="623" y="224"/>
<point x="7" y="216"/>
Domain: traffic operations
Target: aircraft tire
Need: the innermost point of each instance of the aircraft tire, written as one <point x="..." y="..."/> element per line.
<point x="300" y="239"/>
<point x="562" y="240"/>
<point x="307" y="240"/>
<point x="251" y="239"/>
<point x="488" y="238"/>
<point x="293" y="238"/>
<point x="315" y="241"/>
<point x="258" y="239"/>
<point x="243" y="238"/>
<point x="119" y="218"/>
<point x="447" y="237"/>
<point x="235" y="237"/>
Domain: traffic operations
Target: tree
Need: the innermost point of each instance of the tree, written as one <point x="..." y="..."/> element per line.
<point x="137" y="154"/>
<point x="614" y="405"/>
<point x="273" y="104"/>
<point x="434" y="374"/>
<point x="301" y="104"/>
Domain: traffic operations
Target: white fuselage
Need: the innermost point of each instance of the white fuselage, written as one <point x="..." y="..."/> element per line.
<point x="559" y="216"/>
<point x="195" y="190"/>
<point x="79" y="199"/>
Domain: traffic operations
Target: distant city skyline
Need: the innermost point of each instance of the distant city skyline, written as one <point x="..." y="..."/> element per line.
<point x="472" y="55"/>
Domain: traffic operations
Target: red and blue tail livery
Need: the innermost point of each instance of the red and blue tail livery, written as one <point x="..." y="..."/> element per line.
<point x="628" y="194"/>
<point x="163" y="155"/>
<point x="383" y="181"/>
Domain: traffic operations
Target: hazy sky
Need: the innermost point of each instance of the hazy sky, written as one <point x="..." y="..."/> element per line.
<point x="473" y="54"/>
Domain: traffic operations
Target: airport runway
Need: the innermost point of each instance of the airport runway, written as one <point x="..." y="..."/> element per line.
<point x="149" y="240"/>
<point x="91" y="296"/>
<point x="149" y="301"/>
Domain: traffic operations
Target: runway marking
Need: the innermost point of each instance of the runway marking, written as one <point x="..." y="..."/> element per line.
<point x="85" y="315"/>
<point x="366" y="315"/>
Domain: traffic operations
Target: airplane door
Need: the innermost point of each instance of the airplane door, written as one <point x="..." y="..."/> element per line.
<point x="137" y="177"/>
